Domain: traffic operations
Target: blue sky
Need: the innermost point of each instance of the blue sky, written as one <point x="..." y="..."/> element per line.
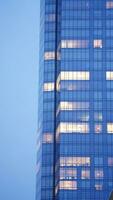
<point x="19" y="36"/>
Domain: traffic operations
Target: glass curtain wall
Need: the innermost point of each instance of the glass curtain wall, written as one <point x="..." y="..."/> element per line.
<point x="77" y="99"/>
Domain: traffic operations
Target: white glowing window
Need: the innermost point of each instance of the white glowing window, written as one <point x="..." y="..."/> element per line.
<point x="68" y="185"/>
<point x="98" y="128"/>
<point x="74" y="161"/>
<point x="85" y="174"/>
<point x="99" y="174"/>
<point x="74" y="105"/>
<point x="97" y="43"/>
<point x="73" y="127"/>
<point x="72" y="75"/>
<point x="109" y="75"/>
<point x="110" y="128"/>
<point x="98" y="186"/>
<point x="48" y="87"/>
<point x="47" y="138"/>
<point x="110" y="161"/>
<point x="49" y="55"/>
<point x="83" y="117"/>
<point x="68" y="173"/>
<point x="74" y="44"/>
<point x="109" y="4"/>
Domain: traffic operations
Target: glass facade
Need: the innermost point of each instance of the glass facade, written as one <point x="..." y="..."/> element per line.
<point x="75" y="125"/>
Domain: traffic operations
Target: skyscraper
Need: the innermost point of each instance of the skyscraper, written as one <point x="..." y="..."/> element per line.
<point x="75" y="126"/>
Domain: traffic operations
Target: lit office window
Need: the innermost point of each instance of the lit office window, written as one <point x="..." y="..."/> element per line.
<point x="110" y="161"/>
<point x="98" y="186"/>
<point x="99" y="174"/>
<point x="74" y="44"/>
<point x="85" y="174"/>
<point x="72" y="75"/>
<point x="48" y="87"/>
<point x="73" y="127"/>
<point x="98" y="128"/>
<point x="109" y="75"/>
<point x="68" y="185"/>
<point x="110" y="128"/>
<point x="74" y="161"/>
<point x="49" y="55"/>
<point x="74" y="105"/>
<point x="109" y="4"/>
<point x="68" y="173"/>
<point x="97" y="43"/>
<point x="47" y="138"/>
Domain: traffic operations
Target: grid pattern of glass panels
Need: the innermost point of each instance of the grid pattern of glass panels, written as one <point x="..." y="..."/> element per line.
<point x="77" y="127"/>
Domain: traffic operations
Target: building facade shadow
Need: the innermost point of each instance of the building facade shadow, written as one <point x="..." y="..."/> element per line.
<point x="111" y="196"/>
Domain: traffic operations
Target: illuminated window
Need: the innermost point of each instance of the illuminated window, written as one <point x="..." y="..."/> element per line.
<point x="99" y="174"/>
<point x="47" y="138"/>
<point x="74" y="105"/>
<point x="68" y="185"/>
<point x="73" y="127"/>
<point x="74" y="44"/>
<point x="110" y="161"/>
<point x="68" y="173"/>
<point x="110" y="128"/>
<point x="109" y="4"/>
<point x="49" y="55"/>
<point x="98" y="128"/>
<point x="85" y="174"/>
<point x="72" y="75"/>
<point x="48" y="87"/>
<point x="74" y="161"/>
<point x="109" y="75"/>
<point x="98" y="186"/>
<point x="97" y="43"/>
